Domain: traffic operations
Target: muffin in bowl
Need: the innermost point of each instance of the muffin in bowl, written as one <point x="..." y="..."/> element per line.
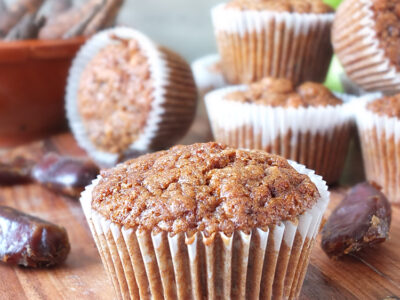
<point x="206" y="221"/>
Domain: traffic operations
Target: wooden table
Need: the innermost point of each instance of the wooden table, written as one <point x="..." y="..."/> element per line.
<point x="372" y="274"/>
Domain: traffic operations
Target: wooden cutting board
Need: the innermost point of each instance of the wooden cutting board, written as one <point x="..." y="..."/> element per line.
<point x="373" y="274"/>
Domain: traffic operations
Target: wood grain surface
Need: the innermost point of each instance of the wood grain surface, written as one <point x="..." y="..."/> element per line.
<point x="372" y="274"/>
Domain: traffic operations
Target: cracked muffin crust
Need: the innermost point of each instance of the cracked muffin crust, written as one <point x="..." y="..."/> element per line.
<point x="115" y="95"/>
<point x="298" y="6"/>
<point x="386" y="106"/>
<point x="386" y="14"/>
<point x="281" y="92"/>
<point x="366" y="40"/>
<point x="203" y="187"/>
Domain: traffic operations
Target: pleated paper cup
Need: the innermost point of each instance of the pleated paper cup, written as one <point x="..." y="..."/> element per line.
<point x="380" y="144"/>
<point x="357" y="46"/>
<point x="263" y="264"/>
<point x="317" y="137"/>
<point x="208" y="74"/>
<point x="256" y="44"/>
<point x="173" y="103"/>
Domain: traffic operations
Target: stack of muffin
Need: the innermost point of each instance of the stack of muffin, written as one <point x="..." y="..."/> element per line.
<point x="279" y="52"/>
<point x="366" y="38"/>
<point x="209" y="220"/>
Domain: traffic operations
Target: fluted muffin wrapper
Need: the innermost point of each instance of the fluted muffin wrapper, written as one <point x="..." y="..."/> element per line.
<point x="256" y="44"/>
<point x="380" y="144"/>
<point x="317" y="137"/>
<point x="358" y="49"/>
<point x="174" y="95"/>
<point x="207" y="78"/>
<point x="264" y="263"/>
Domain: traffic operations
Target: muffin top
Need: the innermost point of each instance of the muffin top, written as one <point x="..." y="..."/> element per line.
<point x="387" y="27"/>
<point x="115" y="95"/>
<point x="281" y="93"/>
<point x="203" y="187"/>
<point x="298" y="6"/>
<point x="386" y="106"/>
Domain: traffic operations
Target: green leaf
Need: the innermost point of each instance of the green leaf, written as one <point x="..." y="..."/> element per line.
<point x="333" y="81"/>
<point x="333" y="3"/>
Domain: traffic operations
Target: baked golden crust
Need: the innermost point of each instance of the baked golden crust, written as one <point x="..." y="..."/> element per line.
<point x="203" y="187"/>
<point x="281" y="92"/>
<point x="386" y="106"/>
<point x="298" y="6"/>
<point x="115" y="95"/>
<point x="387" y="27"/>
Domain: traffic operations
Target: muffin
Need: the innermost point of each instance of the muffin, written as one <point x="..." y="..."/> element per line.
<point x="279" y="38"/>
<point x="206" y="221"/>
<point x="307" y="123"/>
<point x="208" y="74"/>
<point x="366" y="39"/>
<point x="379" y="130"/>
<point x="125" y="93"/>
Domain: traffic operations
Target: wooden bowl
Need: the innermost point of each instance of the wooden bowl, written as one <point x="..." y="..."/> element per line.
<point x="33" y="76"/>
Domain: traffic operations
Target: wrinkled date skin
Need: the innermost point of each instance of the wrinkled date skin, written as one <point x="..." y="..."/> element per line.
<point x="362" y="219"/>
<point x="65" y="175"/>
<point x="16" y="170"/>
<point x="29" y="241"/>
<point x="16" y="164"/>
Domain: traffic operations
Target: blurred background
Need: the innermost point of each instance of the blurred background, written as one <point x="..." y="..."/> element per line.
<point x="182" y="25"/>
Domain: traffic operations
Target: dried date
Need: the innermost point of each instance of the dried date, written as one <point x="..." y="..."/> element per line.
<point x="29" y="241"/>
<point x="16" y="164"/>
<point x="57" y="27"/>
<point x="16" y="170"/>
<point x="362" y="219"/>
<point x="63" y="174"/>
<point x="27" y="28"/>
<point x="59" y="6"/>
<point x="16" y="11"/>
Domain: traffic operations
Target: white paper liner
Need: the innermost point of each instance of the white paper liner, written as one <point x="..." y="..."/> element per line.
<point x="315" y="136"/>
<point x="207" y="78"/>
<point x="380" y="144"/>
<point x="350" y="87"/>
<point x="262" y="264"/>
<point x="358" y="48"/>
<point x="161" y="74"/>
<point x="256" y="44"/>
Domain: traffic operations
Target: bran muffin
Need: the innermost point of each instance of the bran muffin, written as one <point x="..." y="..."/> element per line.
<point x="307" y="123"/>
<point x="378" y="124"/>
<point x="366" y="39"/>
<point x="208" y="76"/>
<point x="278" y="38"/>
<point x="125" y="93"/>
<point x="206" y="221"/>
<point x="207" y="73"/>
